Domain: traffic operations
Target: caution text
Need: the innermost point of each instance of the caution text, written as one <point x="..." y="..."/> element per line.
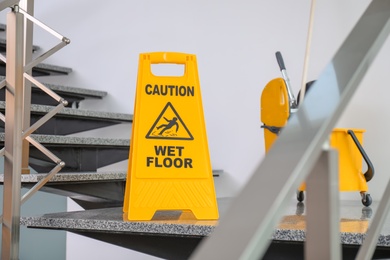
<point x="170" y="90"/>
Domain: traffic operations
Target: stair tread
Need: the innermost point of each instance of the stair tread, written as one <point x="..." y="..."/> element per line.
<point x="89" y="114"/>
<point x="54" y="68"/>
<point x="72" y="176"/>
<point x="291" y="228"/>
<point x="81" y="91"/>
<point x="67" y="89"/>
<point x="111" y="220"/>
<point x="73" y="140"/>
<point x="81" y="176"/>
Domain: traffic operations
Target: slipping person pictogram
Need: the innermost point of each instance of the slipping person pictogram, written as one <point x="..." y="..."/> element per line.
<point x="168" y="126"/>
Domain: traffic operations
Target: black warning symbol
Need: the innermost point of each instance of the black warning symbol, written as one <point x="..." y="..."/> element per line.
<point x="169" y="125"/>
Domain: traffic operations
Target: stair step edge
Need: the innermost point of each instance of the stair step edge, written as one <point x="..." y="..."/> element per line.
<point x="42" y="109"/>
<point x="81" y="176"/>
<point x="73" y="140"/>
<point x="72" y="90"/>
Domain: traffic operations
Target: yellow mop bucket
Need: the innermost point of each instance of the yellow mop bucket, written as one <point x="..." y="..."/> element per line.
<point x="348" y="142"/>
<point x="278" y="103"/>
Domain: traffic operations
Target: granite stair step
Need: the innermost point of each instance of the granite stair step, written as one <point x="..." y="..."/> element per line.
<point x="71" y="94"/>
<point x="80" y="154"/>
<point x="169" y="235"/>
<point x="42" y="69"/>
<point x="175" y="235"/>
<point x="70" y="120"/>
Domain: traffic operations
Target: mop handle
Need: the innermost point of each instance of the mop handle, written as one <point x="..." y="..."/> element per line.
<point x="307" y="53"/>
<point x="279" y="58"/>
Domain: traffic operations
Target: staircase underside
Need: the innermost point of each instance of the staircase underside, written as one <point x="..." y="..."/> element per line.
<point x="79" y="154"/>
<point x="91" y="190"/>
<point x="78" y="158"/>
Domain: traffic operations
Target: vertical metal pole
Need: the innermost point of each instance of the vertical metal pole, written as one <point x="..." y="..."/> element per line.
<point x="367" y="249"/>
<point x="13" y="140"/>
<point x="28" y="6"/>
<point x="322" y="214"/>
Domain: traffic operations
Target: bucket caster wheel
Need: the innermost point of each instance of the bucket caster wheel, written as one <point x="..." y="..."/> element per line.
<point x="300" y="196"/>
<point x="366" y="199"/>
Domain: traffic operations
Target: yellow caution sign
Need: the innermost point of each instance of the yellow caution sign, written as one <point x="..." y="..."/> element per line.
<point x="169" y="163"/>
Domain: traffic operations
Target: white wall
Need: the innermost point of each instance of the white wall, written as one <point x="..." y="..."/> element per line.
<point x="235" y="42"/>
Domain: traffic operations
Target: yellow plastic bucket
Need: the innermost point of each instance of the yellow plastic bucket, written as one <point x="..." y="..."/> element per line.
<point x="350" y="159"/>
<point x="351" y="177"/>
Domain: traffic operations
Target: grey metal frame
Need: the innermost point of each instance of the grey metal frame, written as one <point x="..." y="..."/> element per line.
<point x="17" y="119"/>
<point x="27" y="5"/>
<point x="246" y="228"/>
<point x="367" y="249"/>
<point x="322" y="223"/>
<point x="13" y="142"/>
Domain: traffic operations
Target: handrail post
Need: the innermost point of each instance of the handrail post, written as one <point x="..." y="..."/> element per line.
<point x="13" y="140"/>
<point x="28" y="6"/>
<point x="322" y="209"/>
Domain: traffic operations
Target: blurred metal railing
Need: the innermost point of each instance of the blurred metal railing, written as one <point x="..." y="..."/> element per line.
<point x="245" y="230"/>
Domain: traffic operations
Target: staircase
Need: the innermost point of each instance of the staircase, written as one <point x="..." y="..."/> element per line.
<point x="81" y="154"/>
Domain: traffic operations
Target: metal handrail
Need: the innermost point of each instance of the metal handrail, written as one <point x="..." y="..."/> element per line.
<point x="298" y="146"/>
<point x="45" y="55"/>
<point x="43" y="26"/>
<point x="43" y="149"/>
<point x="43" y="120"/>
<point x="42" y="182"/>
<point x="47" y="90"/>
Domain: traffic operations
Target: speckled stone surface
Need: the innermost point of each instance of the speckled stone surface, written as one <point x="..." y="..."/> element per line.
<point x="72" y="177"/>
<point x="113" y="220"/>
<point x="72" y="140"/>
<point x="79" y="113"/>
<point x="81" y="176"/>
<point x="354" y="221"/>
<point x="82" y="91"/>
